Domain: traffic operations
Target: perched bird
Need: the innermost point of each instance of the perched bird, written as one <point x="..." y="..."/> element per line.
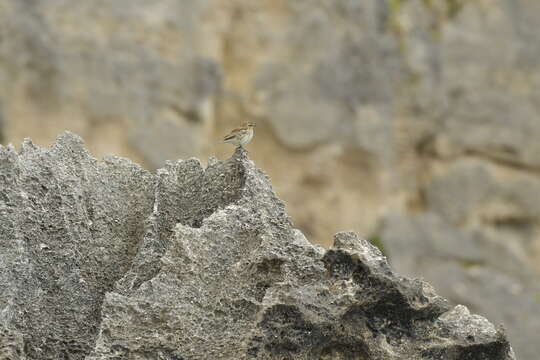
<point x="240" y="136"/>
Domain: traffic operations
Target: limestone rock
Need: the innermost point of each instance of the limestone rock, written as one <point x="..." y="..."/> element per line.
<point x="372" y="108"/>
<point x="466" y="265"/>
<point x="103" y="260"/>
<point x="69" y="228"/>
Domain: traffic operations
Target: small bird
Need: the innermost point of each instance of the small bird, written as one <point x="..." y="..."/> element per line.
<point x="240" y="136"/>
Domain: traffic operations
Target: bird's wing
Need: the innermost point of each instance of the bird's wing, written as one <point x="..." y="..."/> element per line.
<point x="234" y="133"/>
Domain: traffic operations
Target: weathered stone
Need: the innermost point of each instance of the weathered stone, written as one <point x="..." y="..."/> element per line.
<point x="370" y="106"/>
<point x="469" y="268"/>
<point x="215" y="270"/>
<point x="69" y="228"/>
<point x="111" y="76"/>
<point x="11" y="345"/>
<point x="496" y="203"/>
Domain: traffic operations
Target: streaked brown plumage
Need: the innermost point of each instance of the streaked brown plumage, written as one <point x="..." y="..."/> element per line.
<point x="240" y="136"/>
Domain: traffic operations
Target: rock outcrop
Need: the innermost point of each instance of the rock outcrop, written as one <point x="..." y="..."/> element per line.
<point x="69" y="229"/>
<point x="379" y="110"/>
<point x="104" y="260"/>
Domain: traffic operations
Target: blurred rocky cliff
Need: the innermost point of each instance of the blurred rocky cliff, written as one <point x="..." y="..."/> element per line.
<point x="413" y="122"/>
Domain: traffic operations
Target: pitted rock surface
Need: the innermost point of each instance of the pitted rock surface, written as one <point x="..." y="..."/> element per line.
<point x="69" y="228"/>
<point x="103" y="260"/>
<point x="376" y="108"/>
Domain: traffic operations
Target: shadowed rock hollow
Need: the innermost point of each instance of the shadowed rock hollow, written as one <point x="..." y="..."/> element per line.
<point x="103" y="260"/>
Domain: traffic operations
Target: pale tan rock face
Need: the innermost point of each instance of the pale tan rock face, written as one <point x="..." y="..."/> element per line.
<point x="363" y="109"/>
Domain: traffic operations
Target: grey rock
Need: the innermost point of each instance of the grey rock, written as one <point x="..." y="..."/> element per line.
<point x="2" y="124"/>
<point x="141" y="78"/>
<point x="470" y="184"/>
<point x="69" y="228"/>
<point x="335" y="69"/>
<point x="468" y="268"/>
<point x="498" y="205"/>
<point x="501" y="121"/>
<point x="109" y="75"/>
<point x="103" y="260"/>
<point x="11" y="345"/>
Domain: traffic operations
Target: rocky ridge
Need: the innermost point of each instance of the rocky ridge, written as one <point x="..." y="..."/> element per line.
<point x="386" y="115"/>
<point x="104" y="260"/>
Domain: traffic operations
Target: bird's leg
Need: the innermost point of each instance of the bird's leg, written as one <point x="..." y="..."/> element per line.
<point x="241" y="149"/>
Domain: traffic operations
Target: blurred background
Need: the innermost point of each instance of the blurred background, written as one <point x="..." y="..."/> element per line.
<point x="415" y="123"/>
